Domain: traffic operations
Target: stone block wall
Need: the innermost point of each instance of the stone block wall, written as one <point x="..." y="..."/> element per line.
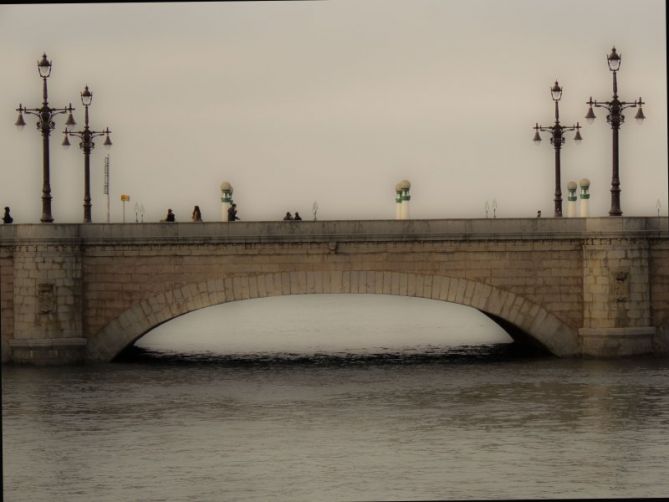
<point x="117" y="277"/>
<point x="616" y="283"/>
<point x="606" y="280"/>
<point x="659" y="292"/>
<point x="617" y="316"/>
<point x="6" y="301"/>
<point x="47" y="302"/>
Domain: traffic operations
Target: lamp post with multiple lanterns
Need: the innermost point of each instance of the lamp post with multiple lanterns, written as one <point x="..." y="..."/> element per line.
<point x="86" y="135"/>
<point x="45" y="124"/>
<point x="557" y="140"/>
<point x="615" y="118"/>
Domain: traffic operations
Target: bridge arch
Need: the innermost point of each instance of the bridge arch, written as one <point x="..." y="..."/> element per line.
<point x="512" y="310"/>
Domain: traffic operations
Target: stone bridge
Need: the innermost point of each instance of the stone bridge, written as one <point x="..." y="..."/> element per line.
<point x="575" y="286"/>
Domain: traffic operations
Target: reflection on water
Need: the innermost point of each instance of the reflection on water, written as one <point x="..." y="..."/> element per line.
<point x="337" y="428"/>
<point x="335" y="404"/>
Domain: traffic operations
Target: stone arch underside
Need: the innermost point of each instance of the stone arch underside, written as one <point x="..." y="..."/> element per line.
<point x="538" y="323"/>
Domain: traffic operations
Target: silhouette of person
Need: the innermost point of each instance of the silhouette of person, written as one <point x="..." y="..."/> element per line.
<point x="197" y="215"/>
<point x="170" y="216"/>
<point x="7" y="217"/>
<point x="288" y="216"/>
<point x="232" y="213"/>
<point x="539" y="214"/>
<point x="297" y="216"/>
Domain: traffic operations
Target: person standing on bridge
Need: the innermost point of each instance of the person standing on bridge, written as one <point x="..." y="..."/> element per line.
<point x="170" y="216"/>
<point x="197" y="215"/>
<point x="288" y="216"/>
<point x="232" y="213"/>
<point x="297" y="216"/>
<point x="6" y="219"/>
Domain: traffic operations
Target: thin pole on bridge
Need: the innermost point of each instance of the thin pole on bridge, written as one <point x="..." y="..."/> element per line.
<point x="106" y="186"/>
<point x="2" y="449"/>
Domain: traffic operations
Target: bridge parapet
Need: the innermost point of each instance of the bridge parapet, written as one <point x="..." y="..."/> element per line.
<point x="340" y="230"/>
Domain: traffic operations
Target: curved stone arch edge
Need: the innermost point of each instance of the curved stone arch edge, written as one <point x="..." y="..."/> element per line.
<point x="548" y="330"/>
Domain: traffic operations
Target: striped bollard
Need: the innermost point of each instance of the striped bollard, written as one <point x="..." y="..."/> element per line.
<point x="584" y="196"/>
<point x="226" y="199"/>
<point x="571" y="199"/>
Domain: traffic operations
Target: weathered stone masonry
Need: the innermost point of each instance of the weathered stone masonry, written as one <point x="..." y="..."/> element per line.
<point x="6" y="299"/>
<point x="659" y="292"/>
<point x="577" y="286"/>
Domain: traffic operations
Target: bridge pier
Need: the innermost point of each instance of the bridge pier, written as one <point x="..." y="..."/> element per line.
<point x="594" y="287"/>
<point x="47" y="303"/>
<point x="616" y="298"/>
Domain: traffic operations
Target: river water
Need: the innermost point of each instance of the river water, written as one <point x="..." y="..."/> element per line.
<point x="360" y="421"/>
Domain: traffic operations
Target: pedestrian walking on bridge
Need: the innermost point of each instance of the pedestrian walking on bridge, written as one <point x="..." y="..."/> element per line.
<point x="7" y="218"/>
<point x="232" y="213"/>
<point x="197" y="215"/>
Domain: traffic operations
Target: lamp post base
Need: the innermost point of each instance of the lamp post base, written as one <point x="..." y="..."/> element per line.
<point x="615" y="203"/>
<point x="46" y="210"/>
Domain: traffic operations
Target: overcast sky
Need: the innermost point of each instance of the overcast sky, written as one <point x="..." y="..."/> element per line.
<point x="335" y="102"/>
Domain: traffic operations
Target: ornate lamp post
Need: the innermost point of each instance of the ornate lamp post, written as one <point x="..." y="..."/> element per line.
<point x="87" y="145"/>
<point x="557" y="140"/>
<point x="615" y="118"/>
<point x="45" y="124"/>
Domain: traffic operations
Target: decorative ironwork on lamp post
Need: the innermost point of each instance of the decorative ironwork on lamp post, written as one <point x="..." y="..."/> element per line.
<point x="45" y="124"/>
<point x="615" y="118"/>
<point x="557" y="140"/>
<point x="87" y="145"/>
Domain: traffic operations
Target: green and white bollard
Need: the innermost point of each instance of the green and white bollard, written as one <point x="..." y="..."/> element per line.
<point x="571" y="199"/>
<point x="584" y="196"/>
<point x="402" y="199"/>
<point x="398" y="203"/>
<point x="226" y="199"/>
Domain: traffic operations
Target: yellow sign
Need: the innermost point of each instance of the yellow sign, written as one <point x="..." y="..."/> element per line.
<point x="125" y="198"/>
